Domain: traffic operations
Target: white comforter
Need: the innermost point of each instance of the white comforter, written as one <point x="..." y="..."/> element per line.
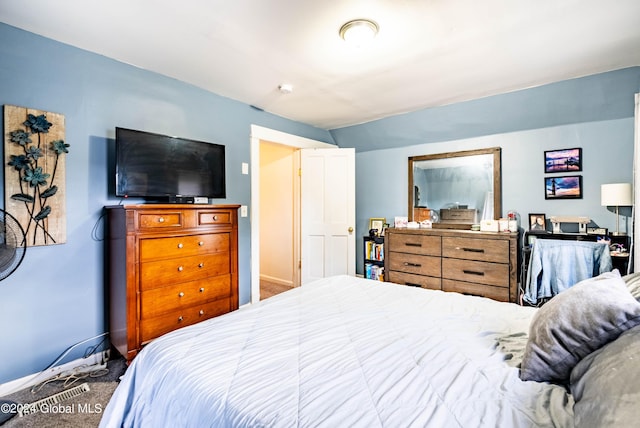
<point x="342" y="352"/>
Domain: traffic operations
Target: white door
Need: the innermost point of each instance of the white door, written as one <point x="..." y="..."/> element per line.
<point x="327" y="213"/>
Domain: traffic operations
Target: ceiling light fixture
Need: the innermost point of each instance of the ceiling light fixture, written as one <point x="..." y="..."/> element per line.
<point x="359" y="31"/>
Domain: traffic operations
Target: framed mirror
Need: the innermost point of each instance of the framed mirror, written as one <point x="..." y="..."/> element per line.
<point x="455" y="189"/>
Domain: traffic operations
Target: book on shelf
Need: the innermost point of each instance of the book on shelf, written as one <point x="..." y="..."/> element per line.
<point x="373" y="271"/>
<point x="374" y="251"/>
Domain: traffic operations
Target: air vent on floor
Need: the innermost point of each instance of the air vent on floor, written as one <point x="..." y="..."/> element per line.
<point x="45" y="403"/>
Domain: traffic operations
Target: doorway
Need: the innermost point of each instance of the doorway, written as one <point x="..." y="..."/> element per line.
<point x="261" y="135"/>
<point x="279" y="218"/>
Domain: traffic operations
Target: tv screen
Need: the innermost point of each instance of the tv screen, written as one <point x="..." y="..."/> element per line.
<point x="160" y="167"/>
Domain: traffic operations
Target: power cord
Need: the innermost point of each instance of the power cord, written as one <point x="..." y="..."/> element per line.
<point x="69" y="349"/>
<point x="70" y="377"/>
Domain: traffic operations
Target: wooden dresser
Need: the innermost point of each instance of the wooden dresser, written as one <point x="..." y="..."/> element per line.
<point x="479" y="263"/>
<point x="168" y="266"/>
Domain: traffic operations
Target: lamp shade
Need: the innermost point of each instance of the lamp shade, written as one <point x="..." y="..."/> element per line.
<point x="616" y="195"/>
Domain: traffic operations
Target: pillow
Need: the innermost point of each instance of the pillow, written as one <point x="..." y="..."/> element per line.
<point x="575" y="323"/>
<point x="633" y="284"/>
<point x="606" y="384"/>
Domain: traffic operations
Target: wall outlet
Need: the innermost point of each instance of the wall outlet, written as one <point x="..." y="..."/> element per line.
<point x="243" y="211"/>
<point x="245" y="168"/>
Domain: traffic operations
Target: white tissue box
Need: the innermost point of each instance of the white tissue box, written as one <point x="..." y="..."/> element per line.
<point x="489" y="226"/>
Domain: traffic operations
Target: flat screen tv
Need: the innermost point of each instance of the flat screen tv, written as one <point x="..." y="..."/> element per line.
<point x="162" y="168"/>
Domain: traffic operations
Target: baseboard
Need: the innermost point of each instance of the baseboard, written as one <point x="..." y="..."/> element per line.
<point x="275" y="280"/>
<point x="92" y="362"/>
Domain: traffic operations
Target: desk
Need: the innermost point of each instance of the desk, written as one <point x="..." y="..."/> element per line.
<point x="618" y="261"/>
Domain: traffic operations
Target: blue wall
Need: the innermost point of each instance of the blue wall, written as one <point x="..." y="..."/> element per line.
<point x="595" y="113"/>
<point x="596" y="98"/>
<point x="55" y="298"/>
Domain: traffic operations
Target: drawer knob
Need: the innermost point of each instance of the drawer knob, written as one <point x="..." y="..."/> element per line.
<point x="215" y="218"/>
<point x="181" y="294"/>
<point x="180" y="245"/>
<point x="201" y="312"/>
<point x="180" y="318"/>
<point x="160" y="219"/>
<point x="201" y="243"/>
<point x="201" y="265"/>
<point x="202" y="289"/>
<point x="180" y="268"/>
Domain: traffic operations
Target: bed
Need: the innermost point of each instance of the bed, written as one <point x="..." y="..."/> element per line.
<point x="352" y="352"/>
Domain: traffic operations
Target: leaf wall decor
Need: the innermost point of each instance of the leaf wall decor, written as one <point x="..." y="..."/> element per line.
<point x="34" y="175"/>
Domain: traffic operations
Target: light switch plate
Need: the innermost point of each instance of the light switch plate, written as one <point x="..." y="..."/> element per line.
<point x="245" y="168"/>
<point x="243" y="211"/>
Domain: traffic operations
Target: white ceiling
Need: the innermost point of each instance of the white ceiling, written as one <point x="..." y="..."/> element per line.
<point x="427" y="53"/>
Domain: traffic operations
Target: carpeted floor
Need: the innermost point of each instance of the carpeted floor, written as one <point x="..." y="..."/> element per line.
<point x="83" y="411"/>
<point x="268" y="289"/>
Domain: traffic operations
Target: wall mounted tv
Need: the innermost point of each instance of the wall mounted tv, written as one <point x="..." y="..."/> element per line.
<point x="168" y="169"/>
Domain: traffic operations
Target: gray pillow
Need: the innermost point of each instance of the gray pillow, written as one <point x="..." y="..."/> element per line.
<point x="575" y="323"/>
<point x="606" y="384"/>
<point x="633" y="284"/>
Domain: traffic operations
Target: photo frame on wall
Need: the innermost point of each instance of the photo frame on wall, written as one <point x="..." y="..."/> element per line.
<point x="565" y="160"/>
<point x="564" y="187"/>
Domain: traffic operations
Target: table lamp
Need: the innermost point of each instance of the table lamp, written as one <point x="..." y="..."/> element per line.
<point x="616" y="195"/>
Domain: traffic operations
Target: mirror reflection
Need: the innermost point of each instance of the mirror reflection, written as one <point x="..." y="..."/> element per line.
<point x="455" y="189"/>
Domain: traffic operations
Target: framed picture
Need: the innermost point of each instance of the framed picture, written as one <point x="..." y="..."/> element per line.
<point x="376" y="223"/>
<point x="565" y="160"/>
<point x="566" y="187"/>
<point x="400" y="221"/>
<point x="537" y="222"/>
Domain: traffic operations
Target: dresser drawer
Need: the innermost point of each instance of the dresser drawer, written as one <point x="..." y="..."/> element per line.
<point x="490" y="291"/>
<point x="415" y="244"/>
<point x="209" y="217"/>
<point x="415" y="280"/>
<point x="412" y="263"/>
<point x="488" y="250"/>
<point x="476" y="272"/>
<point x="151" y="328"/>
<point x="157" y="301"/>
<point x="165" y="272"/>
<point x="160" y="220"/>
<point x="179" y="246"/>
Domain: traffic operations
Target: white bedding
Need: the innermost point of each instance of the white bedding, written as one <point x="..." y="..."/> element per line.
<point x="342" y="352"/>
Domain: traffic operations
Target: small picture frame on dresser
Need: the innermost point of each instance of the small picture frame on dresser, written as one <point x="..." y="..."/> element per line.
<point x="376" y="223"/>
<point x="400" y="221"/>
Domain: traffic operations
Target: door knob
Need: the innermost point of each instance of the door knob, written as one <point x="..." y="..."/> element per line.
<point x="350" y="229"/>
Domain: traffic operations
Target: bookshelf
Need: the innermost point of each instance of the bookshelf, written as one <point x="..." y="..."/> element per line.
<point x="373" y="253"/>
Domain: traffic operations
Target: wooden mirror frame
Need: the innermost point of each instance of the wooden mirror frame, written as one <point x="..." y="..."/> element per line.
<point x="497" y="181"/>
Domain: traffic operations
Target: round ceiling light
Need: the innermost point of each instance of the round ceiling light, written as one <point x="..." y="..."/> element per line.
<point x="359" y="31"/>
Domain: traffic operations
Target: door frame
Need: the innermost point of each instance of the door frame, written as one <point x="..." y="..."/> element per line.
<point x="258" y="134"/>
